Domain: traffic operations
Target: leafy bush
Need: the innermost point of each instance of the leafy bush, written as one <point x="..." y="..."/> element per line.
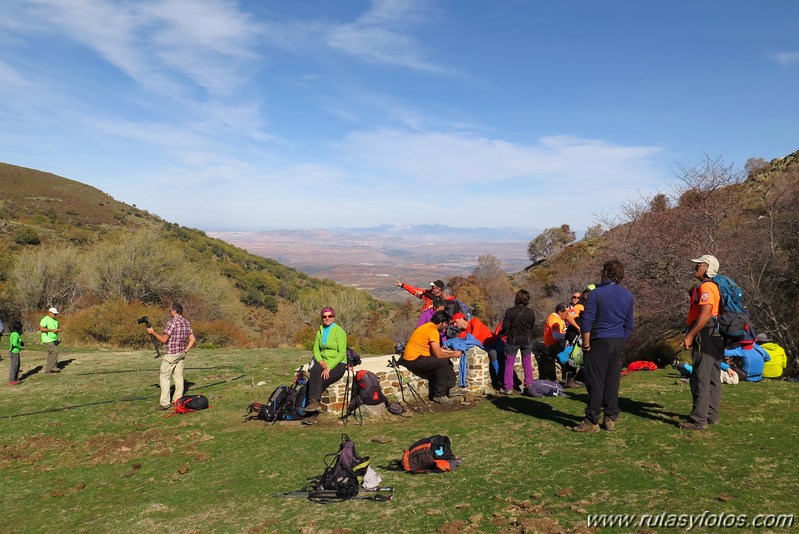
<point x="26" y="235"/>
<point x="113" y="323"/>
<point x="216" y="334"/>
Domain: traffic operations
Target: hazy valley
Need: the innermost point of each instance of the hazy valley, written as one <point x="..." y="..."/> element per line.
<point x="370" y="258"/>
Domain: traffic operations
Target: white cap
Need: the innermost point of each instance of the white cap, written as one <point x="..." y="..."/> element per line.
<point x="53" y="311"/>
<point x="712" y="264"/>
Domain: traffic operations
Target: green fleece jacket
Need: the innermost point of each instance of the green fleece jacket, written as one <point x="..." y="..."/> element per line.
<point x="335" y="350"/>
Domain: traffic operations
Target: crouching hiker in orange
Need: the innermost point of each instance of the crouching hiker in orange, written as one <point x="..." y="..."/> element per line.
<point x="179" y="339"/>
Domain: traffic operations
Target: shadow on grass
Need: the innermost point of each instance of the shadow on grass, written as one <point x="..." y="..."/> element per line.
<point x="645" y="410"/>
<point x="64" y="363"/>
<point x="30" y="372"/>
<point x="535" y="408"/>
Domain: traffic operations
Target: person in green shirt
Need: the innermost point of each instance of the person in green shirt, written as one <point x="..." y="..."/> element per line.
<point x="15" y="346"/>
<point x="48" y="326"/>
<point x="329" y="361"/>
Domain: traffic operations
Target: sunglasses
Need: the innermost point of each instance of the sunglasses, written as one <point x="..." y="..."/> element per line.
<point x="327" y="316"/>
<point x="575" y="297"/>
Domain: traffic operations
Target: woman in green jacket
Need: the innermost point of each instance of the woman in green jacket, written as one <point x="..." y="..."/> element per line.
<point x="329" y="358"/>
<point x="15" y="346"/>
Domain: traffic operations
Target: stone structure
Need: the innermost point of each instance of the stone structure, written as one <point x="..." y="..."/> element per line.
<point x="478" y="380"/>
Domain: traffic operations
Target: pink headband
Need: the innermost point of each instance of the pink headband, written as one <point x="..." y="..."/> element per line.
<point x="328" y="309"/>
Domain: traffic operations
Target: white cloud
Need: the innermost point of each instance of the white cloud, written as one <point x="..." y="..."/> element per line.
<point x="377" y="36"/>
<point x="436" y="156"/>
<point x="9" y="76"/>
<point x="160" y="44"/>
<point x="786" y="59"/>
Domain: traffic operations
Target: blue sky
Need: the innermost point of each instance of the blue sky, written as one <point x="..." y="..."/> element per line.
<point x="263" y="114"/>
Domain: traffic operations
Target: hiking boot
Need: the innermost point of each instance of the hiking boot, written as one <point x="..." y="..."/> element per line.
<point x="609" y="424"/>
<point x="688" y="425"/>
<point x="458" y="392"/>
<point x="586" y="427"/>
<point x="161" y="407"/>
<point x="506" y="391"/>
<point x="442" y="400"/>
<point x="53" y="370"/>
<point x="312" y="420"/>
<point x="14" y="382"/>
<point x="313" y="406"/>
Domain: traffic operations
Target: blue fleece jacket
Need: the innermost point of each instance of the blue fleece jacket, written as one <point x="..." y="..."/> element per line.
<point x="752" y="360"/>
<point x="608" y="312"/>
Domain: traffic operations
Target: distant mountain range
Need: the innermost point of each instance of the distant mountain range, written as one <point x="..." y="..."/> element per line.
<point x="370" y="258"/>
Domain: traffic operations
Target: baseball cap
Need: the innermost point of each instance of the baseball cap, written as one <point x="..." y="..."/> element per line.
<point x="763" y="338"/>
<point x="712" y="264"/>
<point x="457" y="316"/>
<point x="53" y="310"/>
<point x="438" y="283"/>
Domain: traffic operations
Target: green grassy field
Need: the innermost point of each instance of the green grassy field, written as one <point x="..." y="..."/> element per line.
<point x="123" y="467"/>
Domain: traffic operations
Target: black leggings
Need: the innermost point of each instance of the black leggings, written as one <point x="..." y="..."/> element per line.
<point x="316" y="385"/>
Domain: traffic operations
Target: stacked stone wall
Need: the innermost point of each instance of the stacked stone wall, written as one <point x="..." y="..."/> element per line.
<point x="478" y="378"/>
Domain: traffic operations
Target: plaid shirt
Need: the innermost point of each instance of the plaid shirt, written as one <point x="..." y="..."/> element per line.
<point x="178" y="329"/>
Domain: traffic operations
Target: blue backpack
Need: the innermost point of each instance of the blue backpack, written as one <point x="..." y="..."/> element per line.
<point x="733" y="319"/>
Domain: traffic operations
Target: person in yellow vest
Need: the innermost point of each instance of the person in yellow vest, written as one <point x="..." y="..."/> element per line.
<point x="775" y="367"/>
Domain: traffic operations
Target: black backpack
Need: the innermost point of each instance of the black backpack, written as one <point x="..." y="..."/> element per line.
<point x="455" y="306"/>
<point x="191" y="403"/>
<point x="286" y="403"/>
<point x="344" y="472"/>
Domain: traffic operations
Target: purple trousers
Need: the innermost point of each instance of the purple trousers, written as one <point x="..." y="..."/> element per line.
<point x="527" y="363"/>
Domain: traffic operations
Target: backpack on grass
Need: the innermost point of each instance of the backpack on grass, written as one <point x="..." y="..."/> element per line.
<point x="286" y="403"/>
<point x="191" y="403"/>
<point x="430" y="455"/>
<point x="345" y="472"/>
<point x="544" y="388"/>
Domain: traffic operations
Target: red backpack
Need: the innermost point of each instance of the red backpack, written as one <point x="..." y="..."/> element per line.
<point x="366" y="390"/>
<point x="191" y="403"/>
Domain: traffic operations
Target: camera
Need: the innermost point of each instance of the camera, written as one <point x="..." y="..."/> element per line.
<point x="145" y="321"/>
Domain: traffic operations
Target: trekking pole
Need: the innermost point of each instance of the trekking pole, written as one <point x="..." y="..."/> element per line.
<point x="415" y="394"/>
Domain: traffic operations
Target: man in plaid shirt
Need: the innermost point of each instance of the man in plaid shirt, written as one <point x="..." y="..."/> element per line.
<point x="179" y="339"/>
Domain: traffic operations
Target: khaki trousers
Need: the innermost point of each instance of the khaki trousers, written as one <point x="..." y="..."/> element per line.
<point x="171" y="367"/>
<point x="52" y="356"/>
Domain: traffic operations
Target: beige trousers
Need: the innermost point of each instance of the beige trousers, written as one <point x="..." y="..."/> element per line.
<point x="171" y="367"/>
<point x="52" y="356"/>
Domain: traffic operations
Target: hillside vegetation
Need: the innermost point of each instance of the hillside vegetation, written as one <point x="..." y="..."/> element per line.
<point x="747" y="219"/>
<point x="105" y="263"/>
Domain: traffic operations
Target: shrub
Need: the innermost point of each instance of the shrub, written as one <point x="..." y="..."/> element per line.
<point x="113" y="323"/>
<point x="47" y="277"/>
<point x="26" y="236"/>
<point x="216" y="334"/>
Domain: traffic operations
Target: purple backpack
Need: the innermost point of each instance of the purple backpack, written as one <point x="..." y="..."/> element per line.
<point x="544" y="388"/>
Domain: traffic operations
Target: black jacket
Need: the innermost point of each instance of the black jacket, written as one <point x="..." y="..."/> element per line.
<point x="518" y="325"/>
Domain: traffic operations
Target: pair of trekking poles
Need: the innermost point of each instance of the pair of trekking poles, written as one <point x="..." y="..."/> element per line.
<point x="401" y="379"/>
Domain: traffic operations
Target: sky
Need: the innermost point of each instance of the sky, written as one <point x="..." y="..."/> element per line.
<point x="268" y="114"/>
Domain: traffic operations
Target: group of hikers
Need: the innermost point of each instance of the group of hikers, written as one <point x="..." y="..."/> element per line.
<point x="598" y="321"/>
<point x="48" y="327"/>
